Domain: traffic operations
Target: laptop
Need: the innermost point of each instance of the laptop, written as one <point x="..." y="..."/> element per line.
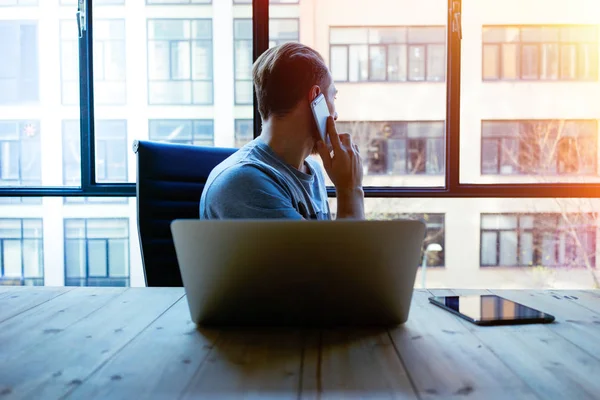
<point x="298" y="273"/>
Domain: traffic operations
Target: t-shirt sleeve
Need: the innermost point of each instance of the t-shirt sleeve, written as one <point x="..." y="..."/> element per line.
<point x="247" y="192"/>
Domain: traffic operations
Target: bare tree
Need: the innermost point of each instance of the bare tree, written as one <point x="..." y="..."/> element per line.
<point x="548" y="149"/>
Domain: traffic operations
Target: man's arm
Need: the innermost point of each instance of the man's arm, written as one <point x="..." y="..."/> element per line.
<point x="245" y="191"/>
<point x="345" y="169"/>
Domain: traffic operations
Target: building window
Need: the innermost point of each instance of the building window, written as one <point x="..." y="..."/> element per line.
<point x="20" y="153"/>
<point x="280" y="31"/>
<point x="111" y="156"/>
<point x="435" y="232"/>
<point x="399" y="148"/>
<point x="180" y="61"/>
<point x="183" y="131"/>
<point x="109" y="62"/>
<point x="540" y="53"/>
<point x="392" y="54"/>
<point x="96" y="252"/>
<point x="21" y="253"/>
<point x="19" y="80"/>
<point x="541" y="147"/>
<point x="567" y="240"/>
<point x="244" y="132"/>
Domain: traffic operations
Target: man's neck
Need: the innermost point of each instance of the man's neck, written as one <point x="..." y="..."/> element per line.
<point x="289" y="140"/>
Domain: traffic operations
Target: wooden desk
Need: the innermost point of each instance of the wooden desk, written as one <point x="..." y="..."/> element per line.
<point x="133" y="343"/>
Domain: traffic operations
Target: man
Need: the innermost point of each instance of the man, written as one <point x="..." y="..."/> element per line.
<point x="273" y="176"/>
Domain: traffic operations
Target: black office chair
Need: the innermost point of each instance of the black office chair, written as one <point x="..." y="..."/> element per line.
<point x="170" y="181"/>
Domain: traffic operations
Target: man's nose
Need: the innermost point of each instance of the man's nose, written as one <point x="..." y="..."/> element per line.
<point x="335" y="116"/>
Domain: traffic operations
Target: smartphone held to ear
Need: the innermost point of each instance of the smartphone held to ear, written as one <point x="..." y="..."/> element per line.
<point x="321" y="113"/>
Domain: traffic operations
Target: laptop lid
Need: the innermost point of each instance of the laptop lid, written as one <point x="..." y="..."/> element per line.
<point x="281" y="272"/>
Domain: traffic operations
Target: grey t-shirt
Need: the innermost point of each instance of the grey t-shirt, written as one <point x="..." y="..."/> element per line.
<point x="254" y="183"/>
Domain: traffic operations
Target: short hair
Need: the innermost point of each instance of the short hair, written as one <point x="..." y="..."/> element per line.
<point x="284" y="74"/>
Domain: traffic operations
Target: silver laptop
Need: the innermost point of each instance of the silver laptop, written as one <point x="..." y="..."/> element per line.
<point x="308" y="273"/>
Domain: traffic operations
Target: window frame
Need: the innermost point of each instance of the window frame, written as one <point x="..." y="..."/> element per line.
<point x="260" y="11"/>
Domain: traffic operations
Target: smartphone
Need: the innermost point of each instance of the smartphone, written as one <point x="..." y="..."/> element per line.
<point x="321" y="113"/>
<point x="490" y="310"/>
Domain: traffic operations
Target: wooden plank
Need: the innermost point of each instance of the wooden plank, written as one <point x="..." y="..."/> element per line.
<point x="354" y="363"/>
<point x="445" y="360"/>
<point x="550" y="365"/>
<point x="170" y="350"/>
<point x="16" y="301"/>
<point x="35" y="325"/>
<point x="69" y="357"/>
<point x="250" y="364"/>
<point x="574" y="322"/>
<point x="589" y="299"/>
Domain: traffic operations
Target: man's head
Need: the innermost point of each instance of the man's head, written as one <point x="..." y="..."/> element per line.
<point x="288" y="77"/>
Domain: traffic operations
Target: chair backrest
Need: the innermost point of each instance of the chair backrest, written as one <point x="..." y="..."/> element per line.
<point x="170" y="181"/>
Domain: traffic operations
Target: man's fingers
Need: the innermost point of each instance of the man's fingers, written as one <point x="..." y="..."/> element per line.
<point x="346" y="140"/>
<point x="332" y="132"/>
<point x="324" y="153"/>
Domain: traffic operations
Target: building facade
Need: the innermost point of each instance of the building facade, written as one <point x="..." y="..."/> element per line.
<point x="179" y="71"/>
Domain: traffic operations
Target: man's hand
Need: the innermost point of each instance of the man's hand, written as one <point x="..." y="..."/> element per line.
<point x="345" y="169"/>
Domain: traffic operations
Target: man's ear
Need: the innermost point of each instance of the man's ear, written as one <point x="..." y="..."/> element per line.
<point x="314" y="92"/>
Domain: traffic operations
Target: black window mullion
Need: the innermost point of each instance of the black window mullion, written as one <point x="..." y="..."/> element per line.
<point x="86" y="99"/>
<point x="452" y="148"/>
<point x="260" y="44"/>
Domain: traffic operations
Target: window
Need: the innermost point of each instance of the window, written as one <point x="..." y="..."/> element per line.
<point x="542" y="239"/>
<point x="111" y="151"/>
<point x="109" y="62"/>
<point x="190" y="131"/>
<point x="399" y="148"/>
<point x="20" y="153"/>
<point x="280" y="31"/>
<point x="393" y="54"/>
<point x="244" y="131"/>
<point x="540" y="53"/>
<point x="539" y="147"/>
<point x="180" y="61"/>
<point x="19" y="80"/>
<point x="96" y="252"/>
<point x="111" y="156"/>
<point x="21" y="255"/>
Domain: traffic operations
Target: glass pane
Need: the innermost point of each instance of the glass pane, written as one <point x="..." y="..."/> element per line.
<point x="508" y="248"/>
<point x="97" y="258"/>
<point x="491" y="62"/>
<point x="75" y="258"/>
<point x="358" y="63"/>
<point x="339" y="63"/>
<point x="489" y="248"/>
<point x="118" y="258"/>
<point x="12" y="258"/>
<point x="397" y="63"/>
<point x="539" y="78"/>
<point x="416" y="63"/>
<point x="378" y="63"/>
